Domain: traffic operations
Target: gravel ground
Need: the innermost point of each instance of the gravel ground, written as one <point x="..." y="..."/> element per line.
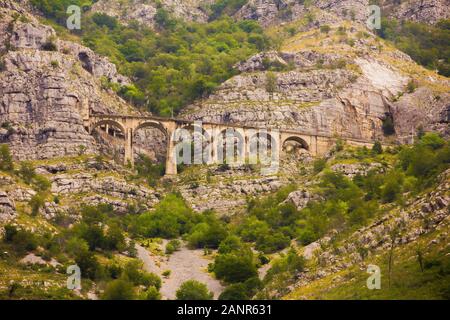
<point x="184" y="265"/>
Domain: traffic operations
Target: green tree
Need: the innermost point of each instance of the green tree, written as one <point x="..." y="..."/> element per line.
<point x="26" y="171"/>
<point x="377" y="148"/>
<point x="319" y="165"/>
<point x="36" y="203"/>
<point x="152" y="293"/>
<point x="388" y="126"/>
<point x="119" y="290"/>
<point x="193" y="290"/>
<point x="432" y="140"/>
<point x="42" y="183"/>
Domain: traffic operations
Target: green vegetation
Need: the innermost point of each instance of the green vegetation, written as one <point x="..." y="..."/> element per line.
<point x="6" y="163"/>
<point x="172" y="67"/>
<point x="170" y="219"/>
<point x="414" y="38"/>
<point x="150" y="171"/>
<point x="193" y="290"/>
<point x="410" y="280"/>
<point x="119" y="290"/>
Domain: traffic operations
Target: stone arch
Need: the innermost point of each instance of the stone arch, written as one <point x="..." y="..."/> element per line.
<point x="201" y="143"/>
<point x="294" y="143"/>
<point x="109" y="122"/>
<point x="152" y="124"/>
<point x="111" y="137"/>
<point x="150" y="138"/>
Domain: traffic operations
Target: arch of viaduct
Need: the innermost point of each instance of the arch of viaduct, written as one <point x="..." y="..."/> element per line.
<point x="317" y="145"/>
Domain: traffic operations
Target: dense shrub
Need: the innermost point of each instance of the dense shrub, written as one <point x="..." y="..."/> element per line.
<point x="236" y="266"/>
<point x="230" y="244"/>
<point x="152" y="294"/>
<point x="36" y="203"/>
<point x="270" y="243"/>
<point x="291" y="263"/>
<point x="91" y="267"/>
<point x="172" y="246"/>
<point x="414" y="38"/>
<point x="226" y="7"/>
<point x="133" y="272"/>
<point x="119" y="290"/>
<point x="207" y="234"/>
<point x="149" y="170"/>
<point x="6" y="163"/>
<point x="193" y="290"/>
<point x="319" y="165"/>
<point x="22" y="240"/>
<point x="170" y="219"/>
<point x="26" y="171"/>
<point x="236" y="291"/>
<point x="377" y="148"/>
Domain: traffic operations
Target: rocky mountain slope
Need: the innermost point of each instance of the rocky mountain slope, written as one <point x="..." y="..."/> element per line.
<point x="341" y="80"/>
<point x="421" y="227"/>
<point x="344" y="81"/>
<point x="45" y="86"/>
<point x="273" y="12"/>
<point x="145" y="11"/>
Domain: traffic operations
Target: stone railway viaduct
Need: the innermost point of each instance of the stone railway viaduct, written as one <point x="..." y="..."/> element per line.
<point x="315" y="144"/>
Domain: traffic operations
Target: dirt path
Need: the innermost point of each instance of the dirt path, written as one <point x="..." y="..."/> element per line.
<point x="184" y="265"/>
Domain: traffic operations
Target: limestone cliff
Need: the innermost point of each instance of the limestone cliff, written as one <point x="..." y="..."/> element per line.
<point x="45" y="86"/>
<point x="273" y="12"/>
<point x="145" y="11"/>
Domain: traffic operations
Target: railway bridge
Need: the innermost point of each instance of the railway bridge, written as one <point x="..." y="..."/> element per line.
<point x="213" y="134"/>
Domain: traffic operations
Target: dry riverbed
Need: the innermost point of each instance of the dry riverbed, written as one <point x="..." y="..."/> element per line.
<point x="184" y="264"/>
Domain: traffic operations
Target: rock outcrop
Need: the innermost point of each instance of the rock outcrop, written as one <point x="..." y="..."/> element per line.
<point x="46" y="88"/>
<point x="422" y="109"/>
<point x="276" y="12"/>
<point x="322" y="101"/>
<point x="145" y="12"/>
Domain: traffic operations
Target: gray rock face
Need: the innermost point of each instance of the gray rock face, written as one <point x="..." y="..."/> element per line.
<point x="227" y="196"/>
<point x="351" y="170"/>
<point x="301" y="198"/>
<point x="43" y="94"/>
<point x="256" y="62"/>
<point x="275" y="12"/>
<point x="427" y="11"/>
<point x="85" y="182"/>
<point x="423" y="108"/>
